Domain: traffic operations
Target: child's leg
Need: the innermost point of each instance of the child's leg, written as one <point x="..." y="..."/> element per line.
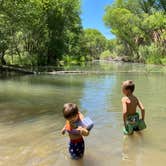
<point x="128" y="130"/>
<point x="76" y="149"/>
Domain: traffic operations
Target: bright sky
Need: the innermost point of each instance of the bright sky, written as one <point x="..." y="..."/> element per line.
<point x="92" y="15"/>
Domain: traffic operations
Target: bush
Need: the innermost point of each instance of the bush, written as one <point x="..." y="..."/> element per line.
<point x="82" y="59"/>
<point x="69" y="60"/>
<point x="21" y="60"/>
<point x="151" y="54"/>
<point x="153" y="59"/>
<point x="106" y="55"/>
<point x="163" y="60"/>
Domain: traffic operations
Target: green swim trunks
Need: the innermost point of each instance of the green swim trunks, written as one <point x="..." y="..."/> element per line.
<point x="133" y="124"/>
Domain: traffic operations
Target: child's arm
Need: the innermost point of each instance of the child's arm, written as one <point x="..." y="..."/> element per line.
<point x="83" y="131"/>
<point x="124" y="110"/>
<point x="63" y="130"/>
<point x="140" y="105"/>
<point x="81" y="115"/>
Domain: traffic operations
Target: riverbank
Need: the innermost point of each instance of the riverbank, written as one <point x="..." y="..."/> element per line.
<point x="96" y="67"/>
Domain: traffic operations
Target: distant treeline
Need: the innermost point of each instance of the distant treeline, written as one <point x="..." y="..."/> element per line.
<point x="50" y="32"/>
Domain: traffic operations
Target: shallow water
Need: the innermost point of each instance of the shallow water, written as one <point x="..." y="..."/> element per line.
<point x="31" y="118"/>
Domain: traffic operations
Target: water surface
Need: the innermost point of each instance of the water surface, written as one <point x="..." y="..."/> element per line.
<point x="31" y="117"/>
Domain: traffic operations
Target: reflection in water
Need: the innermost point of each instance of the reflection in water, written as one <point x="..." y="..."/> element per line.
<point x="97" y="94"/>
<point x="31" y="118"/>
<point x="133" y="149"/>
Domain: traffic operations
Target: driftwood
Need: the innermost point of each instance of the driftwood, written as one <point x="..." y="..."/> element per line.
<point x="73" y="72"/>
<point x="94" y="72"/>
<point x="15" y="69"/>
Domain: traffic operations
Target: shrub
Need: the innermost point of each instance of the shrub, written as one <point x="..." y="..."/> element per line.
<point x="151" y="54"/>
<point x="105" y="55"/>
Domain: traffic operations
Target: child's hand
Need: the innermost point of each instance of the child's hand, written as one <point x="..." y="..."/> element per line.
<point x="80" y="129"/>
<point x="83" y="131"/>
<point x="63" y="131"/>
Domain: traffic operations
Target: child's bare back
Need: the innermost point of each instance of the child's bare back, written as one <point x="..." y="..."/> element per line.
<point x="131" y="104"/>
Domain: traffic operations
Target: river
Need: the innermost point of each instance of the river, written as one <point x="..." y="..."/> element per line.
<point x="31" y="117"/>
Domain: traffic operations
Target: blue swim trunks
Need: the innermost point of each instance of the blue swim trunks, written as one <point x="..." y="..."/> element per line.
<point x="76" y="148"/>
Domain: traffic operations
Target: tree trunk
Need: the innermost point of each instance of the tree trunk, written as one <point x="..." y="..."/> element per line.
<point x="3" y="62"/>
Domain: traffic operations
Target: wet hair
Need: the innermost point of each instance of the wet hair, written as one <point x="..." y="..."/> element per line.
<point x="128" y="85"/>
<point x="70" y="110"/>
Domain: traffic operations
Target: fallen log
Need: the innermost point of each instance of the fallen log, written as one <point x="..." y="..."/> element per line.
<point x="73" y="72"/>
<point x="93" y="72"/>
<point x="15" y="69"/>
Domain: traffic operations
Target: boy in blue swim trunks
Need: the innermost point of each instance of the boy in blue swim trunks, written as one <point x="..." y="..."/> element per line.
<point x="131" y="119"/>
<point x="76" y="144"/>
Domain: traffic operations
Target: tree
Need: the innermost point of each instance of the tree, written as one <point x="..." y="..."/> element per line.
<point x="41" y="30"/>
<point x="147" y="5"/>
<point x="64" y="28"/>
<point x="94" y="43"/>
<point x="125" y="25"/>
<point x="137" y="23"/>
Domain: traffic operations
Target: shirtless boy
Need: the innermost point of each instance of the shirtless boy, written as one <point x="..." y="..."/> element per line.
<point x="131" y="119"/>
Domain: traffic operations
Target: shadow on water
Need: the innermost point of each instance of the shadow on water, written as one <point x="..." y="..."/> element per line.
<point x="24" y="98"/>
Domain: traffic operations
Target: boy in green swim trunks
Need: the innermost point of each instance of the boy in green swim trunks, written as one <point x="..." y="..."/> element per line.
<point x="131" y="119"/>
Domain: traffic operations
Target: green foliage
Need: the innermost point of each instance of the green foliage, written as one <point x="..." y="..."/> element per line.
<point x="45" y="32"/>
<point x="151" y="53"/>
<point x="163" y="61"/>
<point x="93" y="43"/>
<point x="147" y="5"/>
<point x="137" y="25"/>
<point x="124" y="25"/>
<point x="106" y="55"/>
<point x="153" y="59"/>
<point x="155" y="21"/>
<point x="23" y="60"/>
<point x="48" y="30"/>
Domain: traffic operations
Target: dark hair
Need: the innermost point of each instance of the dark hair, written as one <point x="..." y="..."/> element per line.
<point x="129" y="85"/>
<point x="70" y="110"/>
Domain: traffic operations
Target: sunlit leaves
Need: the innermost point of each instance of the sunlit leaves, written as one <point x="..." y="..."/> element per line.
<point x="49" y="28"/>
<point x="137" y="23"/>
<point x="94" y="43"/>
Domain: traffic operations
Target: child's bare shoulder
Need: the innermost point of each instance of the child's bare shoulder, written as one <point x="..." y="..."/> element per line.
<point x="124" y="99"/>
